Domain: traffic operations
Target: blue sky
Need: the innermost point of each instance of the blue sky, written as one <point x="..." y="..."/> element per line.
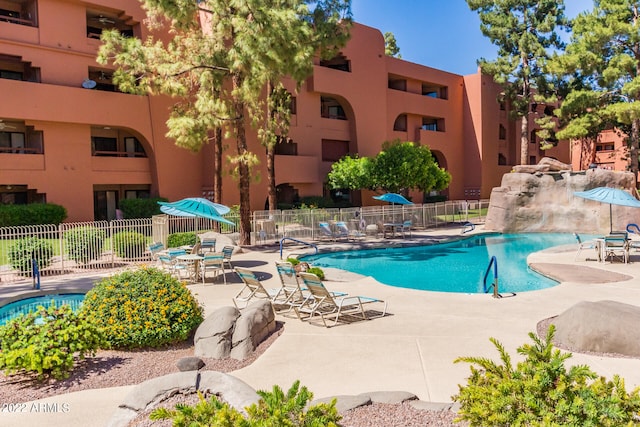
<point x="442" y="34"/>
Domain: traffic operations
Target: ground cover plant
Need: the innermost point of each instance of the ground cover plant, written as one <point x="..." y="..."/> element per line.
<point x="542" y="391"/>
<point x="48" y="341"/>
<point x="142" y="308"/>
<point x="275" y="408"/>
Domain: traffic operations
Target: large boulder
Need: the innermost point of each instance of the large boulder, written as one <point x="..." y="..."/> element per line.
<point x="602" y="326"/>
<point x="213" y="336"/>
<point x="544" y="202"/>
<point x="229" y="332"/>
<point x="255" y="324"/>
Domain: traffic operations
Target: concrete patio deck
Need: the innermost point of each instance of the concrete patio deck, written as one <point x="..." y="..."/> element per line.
<point x="411" y="349"/>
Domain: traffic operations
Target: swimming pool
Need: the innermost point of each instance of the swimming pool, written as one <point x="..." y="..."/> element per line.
<point x="24" y="306"/>
<point x="457" y="266"/>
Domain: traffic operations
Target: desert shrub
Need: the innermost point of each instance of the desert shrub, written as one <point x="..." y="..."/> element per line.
<point x="84" y="243"/>
<point x="176" y="240"/>
<point x="293" y="261"/>
<point x="542" y="391"/>
<point x="275" y="408"/>
<point x="142" y="308"/>
<point x="317" y="271"/>
<point x="31" y="214"/>
<point x="23" y="250"/>
<point x="47" y="341"/>
<point x="129" y="244"/>
<point x="141" y="208"/>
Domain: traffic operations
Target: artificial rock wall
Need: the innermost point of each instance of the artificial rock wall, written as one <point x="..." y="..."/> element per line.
<point x="544" y="202"/>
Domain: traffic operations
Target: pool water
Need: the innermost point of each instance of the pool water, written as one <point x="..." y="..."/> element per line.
<point x="457" y="266"/>
<point x="24" y="306"/>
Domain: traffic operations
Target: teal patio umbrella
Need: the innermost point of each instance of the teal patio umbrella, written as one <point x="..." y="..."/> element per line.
<point x="613" y="196"/>
<point x="196" y="207"/>
<point x="393" y="198"/>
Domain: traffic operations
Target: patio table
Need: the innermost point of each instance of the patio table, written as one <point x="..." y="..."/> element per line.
<point x="193" y="261"/>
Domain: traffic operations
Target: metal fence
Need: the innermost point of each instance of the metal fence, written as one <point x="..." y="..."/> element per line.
<point x="83" y="247"/>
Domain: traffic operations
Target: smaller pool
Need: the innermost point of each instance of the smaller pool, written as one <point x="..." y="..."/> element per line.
<point x="24" y="306"/>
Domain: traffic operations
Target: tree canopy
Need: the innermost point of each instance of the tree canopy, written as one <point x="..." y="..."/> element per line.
<point x="398" y="167"/>
<point x="391" y="45"/>
<point x="601" y="68"/>
<point x="525" y="33"/>
<point x="219" y="59"/>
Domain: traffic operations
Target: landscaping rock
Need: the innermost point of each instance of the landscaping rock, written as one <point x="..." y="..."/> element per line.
<point x="602" y="326"/>
<point x="189" y="364"/>
<point x="256" y="322"/>
<point x="390" y="396"/>
<point x="544" y="202"/>
<point x="344" y="403"/>
<point x="213" y="338"/>
<point x="235" y="392"/>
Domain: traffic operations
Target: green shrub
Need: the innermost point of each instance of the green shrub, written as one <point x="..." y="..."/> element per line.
<point x="434" y="199"/>
<point x="317" y="271"/>
<point x="176" y="240"/>
<point x="84" y="243"/>
<point x="47" y="341"/>
<point x="293" y="261"/>
<point x="274" y="409"/>
<point x="142" y="308"/>
<point x="129" y="244"/>
<point x="23" y="250"/>
<point x="540" y="391"/>
<point x="31" y="214"/>
<point x="141" y="208"/>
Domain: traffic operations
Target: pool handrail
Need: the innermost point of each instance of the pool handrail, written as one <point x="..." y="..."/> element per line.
<point x="493" y="262"/>
<point x="467" y="227"/>
<point x="298" y="241"/>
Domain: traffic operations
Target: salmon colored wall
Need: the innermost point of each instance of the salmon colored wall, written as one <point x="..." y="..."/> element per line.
<point x="65" y="112"/>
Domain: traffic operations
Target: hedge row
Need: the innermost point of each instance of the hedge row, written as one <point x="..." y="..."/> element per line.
<point x="31" y="214"/>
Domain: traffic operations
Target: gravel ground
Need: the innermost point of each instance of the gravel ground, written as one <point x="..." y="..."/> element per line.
<point x="118" y="368"/>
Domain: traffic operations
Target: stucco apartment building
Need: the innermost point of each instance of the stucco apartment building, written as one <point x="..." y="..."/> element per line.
<point x="68" y="136"/>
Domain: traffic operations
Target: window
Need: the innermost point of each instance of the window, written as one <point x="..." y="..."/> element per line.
<point x="533" y="138"/>
<point x="22" y="140"/>
<point x="502" y="160"/>
<point x="338" y="62"/>
<point x="397" y="84"/>
<point x="14" y="68"/>
<point x="502" y="132"/>
<point x="102" y="79"/>
<point x="502" y="105"/>
<point x="286" y="148"/>
<point x="533" y="160"/>
<point x="331" y="109"/>
<point x="333" y="150"/>
<point x="433" y="124"/>
<point x="114" y="143"/>
<point x="21" y="12"/>
<point x="434" y="91"/>
<point x="98" y="20"/>
<point x="401" y="123"/>
<point x="293" y="105"/>
<point x="605" y="147"/>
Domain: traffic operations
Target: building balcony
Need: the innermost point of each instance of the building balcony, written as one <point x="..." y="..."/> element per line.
<point x="12" y="159"/>
<point x="434" y="139"/>
<point x="121" y="164"/>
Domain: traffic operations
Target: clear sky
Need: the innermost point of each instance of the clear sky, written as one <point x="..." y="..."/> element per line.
<point x="443" y="34"/>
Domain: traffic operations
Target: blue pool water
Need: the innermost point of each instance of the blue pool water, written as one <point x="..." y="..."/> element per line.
<point x="24" y="306"/>
<point x="452" y="267"/>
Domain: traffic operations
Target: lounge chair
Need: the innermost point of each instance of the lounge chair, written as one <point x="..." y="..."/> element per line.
<point x="295" y="294"/>
<point x="321" y="302"/>
<point x="325" y="231"/>
<point x="344" y="231"/>
<point x="634" y="231"/>
<point x="253" y="289"/>
<point x="213" y="261"/>
<point x="154" y="249"/>
<point x="589" y="245"/>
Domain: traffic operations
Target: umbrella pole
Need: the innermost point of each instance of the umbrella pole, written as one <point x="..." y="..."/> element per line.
<point x="610" y="219"/>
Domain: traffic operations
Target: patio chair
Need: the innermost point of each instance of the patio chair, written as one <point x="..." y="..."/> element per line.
<point x="295" y="294"/>
<point x="344" y="231"/>
<point x="325" y="231"/>
<point x="321" y="302"/>
<point x="253" y="289"/>
<point x="227" y="251"/>
<point x="173" y="266"/>
<point x="213" y="261"/>
<point x="616" y="246"/>
<point x="589" y="244"/>
<point x="208" y="244"/>
<point x="406" y="228"/>
<point x="634" y="236"/>
<point x="154" y="249"/>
